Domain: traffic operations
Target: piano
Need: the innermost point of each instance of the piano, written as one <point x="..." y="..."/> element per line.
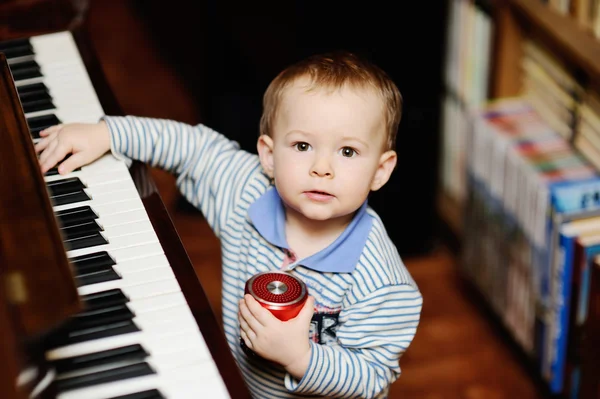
<point x="102" y="301"/>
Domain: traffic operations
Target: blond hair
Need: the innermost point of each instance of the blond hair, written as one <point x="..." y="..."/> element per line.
<point x="334" y="71"/>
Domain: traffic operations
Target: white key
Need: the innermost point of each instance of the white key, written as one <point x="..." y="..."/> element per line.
<point x="118" y="243"/>
<point x="133" y="290"/>
<point x="111" y="232"/>
<point x="139" y="251"/>
<point x="118" y="219"/>
<point x="109" y="203"/>
<point x="201" y="380"/>
<point x="160" y="363"/>
<point x="141" y="264"/>
<point x="101" y="166"/>
<point x="153" y="326"/>
<point x="142" y="284"/>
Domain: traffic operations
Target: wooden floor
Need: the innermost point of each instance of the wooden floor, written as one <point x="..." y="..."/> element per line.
<point x="456" y="353"/>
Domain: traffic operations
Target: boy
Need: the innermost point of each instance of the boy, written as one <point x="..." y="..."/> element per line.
<point x="326" y="141"/>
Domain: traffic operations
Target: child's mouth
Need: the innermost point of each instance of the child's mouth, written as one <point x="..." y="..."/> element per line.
<point x="318" y="195"/>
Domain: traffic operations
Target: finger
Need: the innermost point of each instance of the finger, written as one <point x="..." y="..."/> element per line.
<point x="50" y="130"/>
<point x="42" y="144"/>
<point x="57" y="155"/>
<point x="72" y="163"/>
<point x="249" y="317"/>
<point x="48" y="152"/>
<point x="307" y="310"/>
<point x="247" y="340"/>
<point x="244" y="325"/>
<point x="262" y="315"/>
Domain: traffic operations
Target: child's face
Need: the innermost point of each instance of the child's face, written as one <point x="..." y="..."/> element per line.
<point x="327" y="151"/>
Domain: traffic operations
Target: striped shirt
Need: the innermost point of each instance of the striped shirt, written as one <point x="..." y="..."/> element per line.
<point x="377" y="304"/>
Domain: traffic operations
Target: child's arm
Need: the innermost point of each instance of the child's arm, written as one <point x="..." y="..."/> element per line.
<point x="210" y="169"/>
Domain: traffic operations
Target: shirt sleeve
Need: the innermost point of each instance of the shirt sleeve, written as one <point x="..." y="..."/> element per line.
<point x="373" y="334"/>
<point x="211" y="169"/>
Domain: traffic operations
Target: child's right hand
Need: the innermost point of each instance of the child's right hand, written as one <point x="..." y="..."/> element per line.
<point x="86" y="143"/>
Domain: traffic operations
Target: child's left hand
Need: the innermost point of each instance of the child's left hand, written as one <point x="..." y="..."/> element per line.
<point x="283" y="342"/>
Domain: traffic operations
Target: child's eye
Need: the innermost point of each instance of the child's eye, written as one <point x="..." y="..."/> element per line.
<point x="302" y="146"/>
<point x="348" y="152"/>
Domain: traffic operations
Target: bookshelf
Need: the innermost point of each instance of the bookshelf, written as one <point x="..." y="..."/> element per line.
<point x="513" y="20"/>
<point x="517" y="28"/>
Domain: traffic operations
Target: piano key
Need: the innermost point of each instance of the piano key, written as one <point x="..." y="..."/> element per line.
<point x="25" y="70"/>
<point x="39" y="123"/>
<point x="70" y="198"/>
<point x="132" y="253"/>
<point x="69" y="217"/>
<point x="16" y="48"/>
<point x="109" y="203"/>
<point x="152" y="327"/>
<point x="113" y="231"/>
<point x="32" y="88"/>
<point x="89" y="240"/>
<point x="134" y="284"/>
<point x="104" y="298"/>
<point x="120" y="321"/>
<point x="96" y="317"/>
<point x="96" y="277"/>
<point x="130" y="354"/>
<point x="121" y="373"/>
<point x="149" y="394"/>
<point x="92" y="261"/>
<point x="191" y="382"/>
<point x="62" y="186"/>
<point x="133" y="352"/>
<point x="131" y="240"/>
<point x="36" y="104"/>
<point x="74" y="230"/>
<point x="63" y="338"/>
<point x="118" y="219"/>
<point x="139" y="264"/>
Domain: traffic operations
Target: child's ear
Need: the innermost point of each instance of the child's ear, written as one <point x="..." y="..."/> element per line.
<point x="265" y="153"/>
<point x="387" y="163"/>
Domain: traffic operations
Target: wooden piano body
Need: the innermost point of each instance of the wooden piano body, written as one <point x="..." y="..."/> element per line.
<point x="38" y="294"/>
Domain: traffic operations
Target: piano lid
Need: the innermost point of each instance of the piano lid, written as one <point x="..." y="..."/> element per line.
<point x="34" y="269"/>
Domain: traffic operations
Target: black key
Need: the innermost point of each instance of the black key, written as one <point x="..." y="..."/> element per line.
<point x="150" y="394"/>
<point x="16" y="48"/>
<point x="65" y="186"/>
<point x="104" y="299"/>
<point x="85" y="241"/>
<point x="34" y="95"/>
<point x="101" y="317"/>
<point x="92" y="262"/>
<point x="81" y="229"/>
<point x="70" y="198"/>
<point x="69" y="217"/>
<point x="92" y="270"/>
<point x="37" y="105"/>
<point x="96" y="277"/>
<point x="38" y="123"/>
<point x="66" y="336"/>
<point x="32" y="88"/>
<point x="25" y="70"/>
<point x="116" y="374"/>
<point x="8" y="44"/>
<point x="127" y="353"/>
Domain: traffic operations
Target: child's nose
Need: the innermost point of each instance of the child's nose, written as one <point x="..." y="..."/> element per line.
<point x="322" y="167"/>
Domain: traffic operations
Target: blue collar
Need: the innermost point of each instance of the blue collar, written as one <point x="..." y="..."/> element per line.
<point x="268" y="216"/>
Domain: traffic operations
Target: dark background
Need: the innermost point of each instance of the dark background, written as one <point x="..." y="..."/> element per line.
<point x="228" y="51"/>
